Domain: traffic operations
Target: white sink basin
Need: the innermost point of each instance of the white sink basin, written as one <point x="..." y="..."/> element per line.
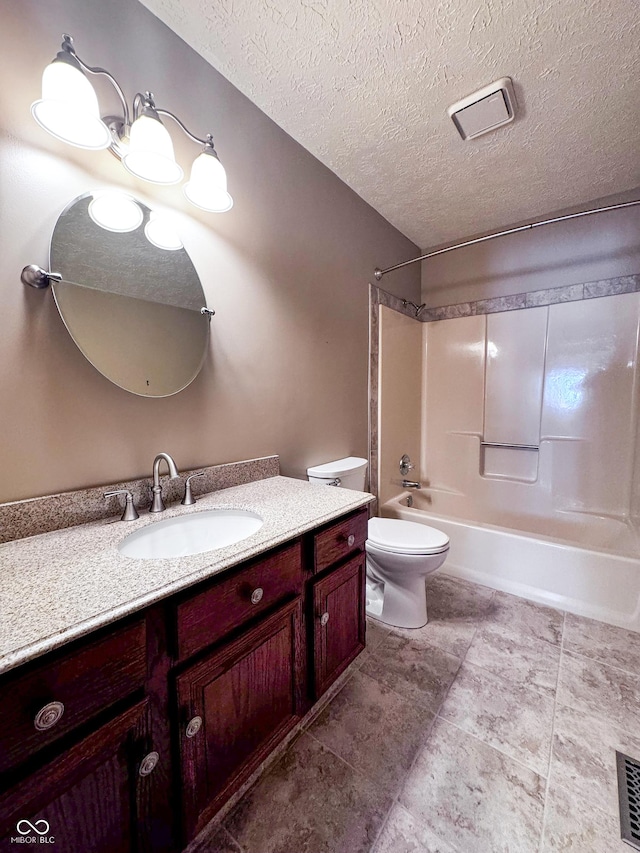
<point x="191" y="534"/>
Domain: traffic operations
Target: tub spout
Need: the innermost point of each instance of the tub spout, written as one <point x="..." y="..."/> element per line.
<point x="410" y="484"/>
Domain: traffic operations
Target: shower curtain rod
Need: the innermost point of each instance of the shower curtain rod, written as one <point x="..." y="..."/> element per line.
<point x="378" y="273"/>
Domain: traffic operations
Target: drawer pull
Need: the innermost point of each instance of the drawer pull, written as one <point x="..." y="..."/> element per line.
<point x="193" y="726"/>
<point x="256" y="595"/>
<point x="324" y="618"/>
<point x="148" y="763"/>
<point x="351" y="541"/>
<point x="47" y="717"/>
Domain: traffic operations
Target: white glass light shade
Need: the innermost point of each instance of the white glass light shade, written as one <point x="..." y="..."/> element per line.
<point x="115" y="211"/>
<point x="69" y="107"/>
<point x="150" y="154"/>
<point x="161" y="233"/>
<point x="207" y="187"/>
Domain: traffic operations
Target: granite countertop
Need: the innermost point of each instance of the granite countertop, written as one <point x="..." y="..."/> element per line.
<point x="58" y="586"/>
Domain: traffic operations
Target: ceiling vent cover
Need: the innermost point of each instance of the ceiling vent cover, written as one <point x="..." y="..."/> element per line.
<point x="485" y="110"/>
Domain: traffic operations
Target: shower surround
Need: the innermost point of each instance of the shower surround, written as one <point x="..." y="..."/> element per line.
<point x="529" y="453"/>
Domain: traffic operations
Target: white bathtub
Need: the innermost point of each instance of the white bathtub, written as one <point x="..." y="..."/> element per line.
<point x="594" y="583"/>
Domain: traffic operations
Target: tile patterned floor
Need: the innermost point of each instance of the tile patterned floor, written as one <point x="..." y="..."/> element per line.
<point x="493" y="729"/>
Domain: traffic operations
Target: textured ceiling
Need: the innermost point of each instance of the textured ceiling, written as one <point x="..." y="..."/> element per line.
<point x="365" y="84"/>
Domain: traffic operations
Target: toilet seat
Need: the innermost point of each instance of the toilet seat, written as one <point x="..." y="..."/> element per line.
<point x="396" y="536"/>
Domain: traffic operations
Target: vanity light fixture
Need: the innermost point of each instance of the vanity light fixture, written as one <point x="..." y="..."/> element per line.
<point x="69" y="110"/>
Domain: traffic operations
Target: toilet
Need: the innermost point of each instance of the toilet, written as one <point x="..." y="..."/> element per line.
<point x="400" y="554"/>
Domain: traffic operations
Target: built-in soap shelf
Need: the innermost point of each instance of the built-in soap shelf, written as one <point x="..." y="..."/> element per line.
<point x="511" y="446"/>
<point x="506" y="461"/>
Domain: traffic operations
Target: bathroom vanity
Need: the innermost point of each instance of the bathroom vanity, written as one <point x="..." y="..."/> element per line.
<point x="133" y="735"/>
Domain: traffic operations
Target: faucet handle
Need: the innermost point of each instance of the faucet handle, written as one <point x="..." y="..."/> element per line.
<point x="130" y="512"/>
<point x="188" y="498"/>
<point x="406" y="464"/>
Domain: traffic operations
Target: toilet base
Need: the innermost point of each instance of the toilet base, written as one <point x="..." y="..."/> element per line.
<point x="400" y="607"/>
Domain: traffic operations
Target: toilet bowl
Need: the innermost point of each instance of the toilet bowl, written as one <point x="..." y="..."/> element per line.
<point x="400" y="554"/>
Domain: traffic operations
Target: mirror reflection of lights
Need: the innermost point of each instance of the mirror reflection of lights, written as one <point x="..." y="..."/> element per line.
<point x="115" y="211"/>
<point x="161" y="233"/>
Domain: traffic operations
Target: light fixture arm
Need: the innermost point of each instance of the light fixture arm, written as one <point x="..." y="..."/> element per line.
<point x="207" y="142"/>
<point x="68" y="47"/>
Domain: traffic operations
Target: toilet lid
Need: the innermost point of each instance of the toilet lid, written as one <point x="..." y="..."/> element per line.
<point x="406" y="537"/>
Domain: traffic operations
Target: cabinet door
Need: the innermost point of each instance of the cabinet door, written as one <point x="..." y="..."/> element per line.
<point x="90" y="799"/>
<point x="235" y="705"/>
<point x="338" y="621"/>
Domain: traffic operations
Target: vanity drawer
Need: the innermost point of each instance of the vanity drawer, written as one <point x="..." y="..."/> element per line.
<point x="51" y="699"/>
<point x="235" y="599"/>
<point x="340" y="540"/>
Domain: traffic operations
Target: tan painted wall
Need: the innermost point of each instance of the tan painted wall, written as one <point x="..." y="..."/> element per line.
<point x="286" y="271"/>
<point x="399" y="390"/>
<point x="589" y="249"/>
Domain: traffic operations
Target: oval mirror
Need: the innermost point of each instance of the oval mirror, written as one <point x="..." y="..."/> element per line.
<point x="130" y="295"/>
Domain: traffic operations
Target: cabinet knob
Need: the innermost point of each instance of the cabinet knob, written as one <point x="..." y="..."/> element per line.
<point x="148" y="763"/>
<point x="193" y="726"/>
<point x="324" y="618"/>
<point x="256" y="595"/>
<point x="351" y="540"/>
<point x="47" y="717"/>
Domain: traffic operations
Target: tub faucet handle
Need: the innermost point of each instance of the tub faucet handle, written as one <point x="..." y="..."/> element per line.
<point x="406" y="465"/>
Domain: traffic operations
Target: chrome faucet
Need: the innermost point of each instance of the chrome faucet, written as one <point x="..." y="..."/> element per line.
<point x="411" y="484"/>
<point x="157" y="504"/>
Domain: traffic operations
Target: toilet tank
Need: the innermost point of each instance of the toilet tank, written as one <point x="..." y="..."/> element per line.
<point x="349" y="473"/>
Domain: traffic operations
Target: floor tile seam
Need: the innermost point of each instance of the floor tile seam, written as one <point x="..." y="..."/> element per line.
<point x="398" y="788"/>
<point x="396" y="798"/>
<point x="464" y="657"/>
<point x="398" y="695"/>
<point x="432" y="708"/>
<point x="233" y="838"/>
<point x="422" y="743"/>
<point x="611" y="724"/>
<point x="382" y="827"/>
<point x="494" y="748"/>
<point x="437" y="710"/>
<point x="428" y="643"/>
<point x="322" y="707"/>
<point x="419" y="751"/>
<point x="522" y="638"/>
<point x="633" y="673"/>
<point x="371" y="781"/>
<point x="526" y="687"/>
<point x="453" y="847"/>
<point x="614" y="815"/>
<point x="553" y="732"/>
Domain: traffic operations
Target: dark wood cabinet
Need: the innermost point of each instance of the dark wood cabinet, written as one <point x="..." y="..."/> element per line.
<point x="209" y="680"/>
<point x="339" y="621"/>
<point x="236" y="598"/>
<point x="91" y="799"/>
<point x="234" y="706"/>
<point x="49" y="700"/>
